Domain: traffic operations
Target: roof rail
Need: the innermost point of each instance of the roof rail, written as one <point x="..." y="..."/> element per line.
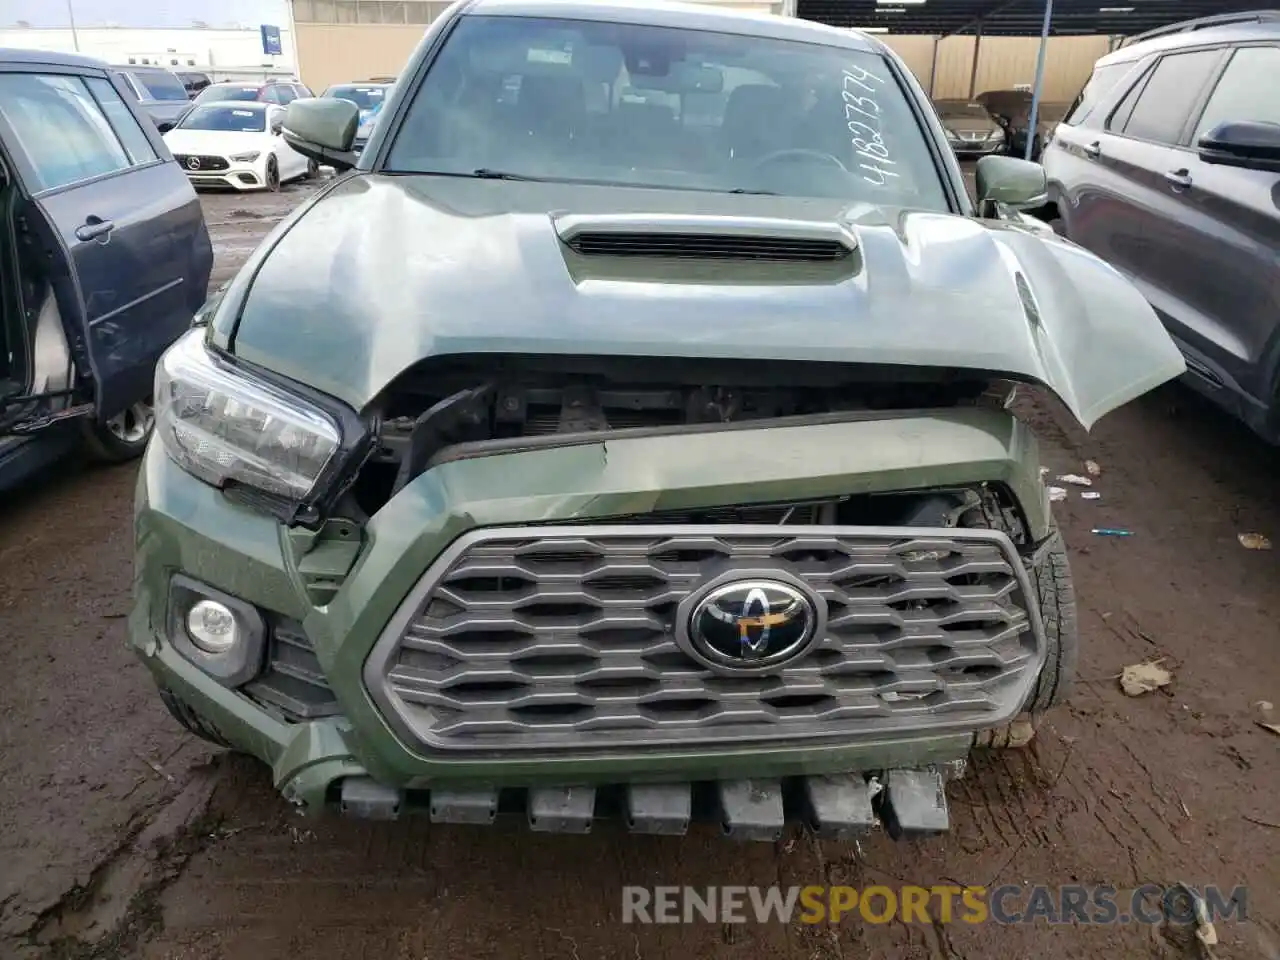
<point x="1202" y="23"/>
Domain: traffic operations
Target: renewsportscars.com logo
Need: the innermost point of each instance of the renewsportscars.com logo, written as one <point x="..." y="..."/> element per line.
<point x="1008" y="904"/>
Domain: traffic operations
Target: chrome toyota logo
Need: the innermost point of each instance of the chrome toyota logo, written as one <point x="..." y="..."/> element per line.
<point x="193" y="163"/>
<point x="750" y="625"/>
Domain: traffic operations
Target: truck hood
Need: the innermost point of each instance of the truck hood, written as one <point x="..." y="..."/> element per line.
<point x="380" y="272"/>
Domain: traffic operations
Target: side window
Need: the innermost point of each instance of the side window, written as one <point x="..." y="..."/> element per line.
<point x="271" y="94"/>
<point x="1098" y="86"/>
<point x="1165" y="103"/>
<point x="122" y="121"/>
<point x="1246" y="90"/>
<point x="60" y="128"/>
<point x="1124" y="109"/>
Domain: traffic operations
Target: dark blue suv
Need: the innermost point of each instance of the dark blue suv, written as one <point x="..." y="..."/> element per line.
<point x="1168" y="167"/>
<point x="104" y="259"/>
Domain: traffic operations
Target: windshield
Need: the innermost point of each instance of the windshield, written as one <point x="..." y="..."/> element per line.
<point x="659" y="107"/>
<point x="226" y="118"/>
<point x="364" y="97"/>
<point x="227" y="92"/>
<point x="160" y="85"/>
<point x="959" y="108"/>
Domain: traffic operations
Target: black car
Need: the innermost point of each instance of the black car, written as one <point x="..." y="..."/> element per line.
<point x="194" y="81"/>
<point x="104" y="259"/>
<point x="1168" y="166"/>
<point x="162" y="96"/>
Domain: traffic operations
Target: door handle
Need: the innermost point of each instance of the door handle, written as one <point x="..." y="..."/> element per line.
<point x="1179" y="178"/>
<point x="94" y="228"/>
<point x="1093" y="150"/>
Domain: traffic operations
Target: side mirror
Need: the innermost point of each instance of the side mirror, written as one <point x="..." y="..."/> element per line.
<point x="323" y="129"/>
<point x="277" y="125"/>
<point x="1010" y="182"/>
<point x="1244" y="143"/>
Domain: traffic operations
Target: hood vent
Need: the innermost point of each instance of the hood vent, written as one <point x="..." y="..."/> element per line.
<point x="705" y="238"/>
<point x="707" y="246"/>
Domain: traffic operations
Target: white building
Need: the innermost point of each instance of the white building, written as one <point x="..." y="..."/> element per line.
<point x="224" y="37"/>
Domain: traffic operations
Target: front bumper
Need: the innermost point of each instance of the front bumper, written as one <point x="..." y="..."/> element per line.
<point x="344" y="590"/>
<point x="237" y="176"/>
<point x="976" y="148"/>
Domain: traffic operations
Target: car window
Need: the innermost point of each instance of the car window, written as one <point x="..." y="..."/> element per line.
<point x="1124" y="109"/>
<point x="364" y="96"/>
<point x="60" y="128"/>
<point x="230" y="91"/>
<point x="1245" y="91"/>
<point x="122" y="121"/>
<point x="1165" y="103"/>
<point x="302" y="91"/>
<point x="284" y="93"/>
<point x="1099" y="84"/>
<point x="160" y="85"/>
<point x="569" y="100"/>
<point x="228" y="119"/>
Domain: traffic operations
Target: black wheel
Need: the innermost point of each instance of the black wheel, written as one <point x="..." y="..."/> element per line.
<point x="123" y="437"/>
<point x="1057" y="226"/>
<point x="191" y="720"/>
<point x="313" y="170"/>
<point x="1056" y="595"/>
<point x="273" y="175"/>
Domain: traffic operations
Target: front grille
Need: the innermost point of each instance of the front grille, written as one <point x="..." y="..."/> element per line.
<point x="697" y="246"/>
<point x="203" y="164"/>
<point x="564" y="639"/>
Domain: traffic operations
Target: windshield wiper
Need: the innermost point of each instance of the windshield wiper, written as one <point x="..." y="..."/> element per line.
<point x="753" y="193"/>
<point x="487" y="173"/>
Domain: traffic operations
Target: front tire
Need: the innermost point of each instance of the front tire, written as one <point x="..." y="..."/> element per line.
<point x="273" y="175"/>
<point x="123" y="437"/>
<point x="313" y="170"/>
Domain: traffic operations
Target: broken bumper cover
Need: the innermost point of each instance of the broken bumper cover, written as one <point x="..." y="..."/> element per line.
<point x="344" y="598"/>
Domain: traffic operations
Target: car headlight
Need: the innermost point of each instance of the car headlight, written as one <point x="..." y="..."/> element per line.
<point x="249" y="157"/>
<point x="995" y="135"/>
<point x="225" y="427"/>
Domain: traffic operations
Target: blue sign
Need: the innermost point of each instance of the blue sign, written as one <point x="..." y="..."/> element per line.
<point x="271" y="40"/>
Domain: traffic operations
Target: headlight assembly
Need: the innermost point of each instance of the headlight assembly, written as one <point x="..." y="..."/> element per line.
<point x="249" y="157"/>
<point x="226" y="427"/>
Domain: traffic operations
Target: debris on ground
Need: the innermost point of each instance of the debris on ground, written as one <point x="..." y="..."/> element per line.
<point x="1111" y="532"/>
<point x="1057" y="494"/>
<point x="1092" y="469"/>
<point x="1253" y="541"/>
<point x="1091" y="495"/>
<point x="1267" y="718"/>
<point x="1075" y="480"/>
<point x="1139" y="678"/>
<point x="1044" y="472"/>
<point x="1186" y="921"/>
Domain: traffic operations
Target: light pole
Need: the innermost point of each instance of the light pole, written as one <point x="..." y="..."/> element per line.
<point x="75" y="37"/>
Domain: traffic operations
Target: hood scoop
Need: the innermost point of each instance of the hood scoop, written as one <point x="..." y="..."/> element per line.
<point x="664" y="237"/>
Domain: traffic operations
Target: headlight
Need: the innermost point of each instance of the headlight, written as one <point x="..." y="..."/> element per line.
<point x="995" y="135"/>
<point x="223" y="426"/>
<point x="249" y="157"/>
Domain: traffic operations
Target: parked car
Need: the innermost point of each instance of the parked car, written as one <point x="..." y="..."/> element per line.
<point x="971" y="131"/>
<point x="158" y="91"/>
<point x="237" y="144"/>
<point x="554" y="449"/>
<point x="104" y="258"/>
<point x="272" y="91"/>
<point x="368" y="98"/>
<point x="1168" y="166"/>
<point x="1011" y="109"/>
<point x="194" y="81"/>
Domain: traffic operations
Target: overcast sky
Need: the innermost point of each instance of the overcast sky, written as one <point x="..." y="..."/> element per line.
<point x="144" y="13"/>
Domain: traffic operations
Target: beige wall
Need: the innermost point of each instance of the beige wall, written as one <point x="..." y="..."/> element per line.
<point x="1002" y="63"/>
<point x="338" y="52"/>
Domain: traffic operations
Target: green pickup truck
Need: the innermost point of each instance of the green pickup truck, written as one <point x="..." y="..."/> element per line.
<point x="585" y="455"/>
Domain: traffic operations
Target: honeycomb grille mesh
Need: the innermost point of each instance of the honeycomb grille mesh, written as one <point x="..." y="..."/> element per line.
<point x="565" y="639"/>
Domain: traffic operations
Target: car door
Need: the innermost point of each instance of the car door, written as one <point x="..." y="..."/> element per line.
<point x="1223" y="300"/>
<point x="120" y="227"/>
<point x="290" y="163"/>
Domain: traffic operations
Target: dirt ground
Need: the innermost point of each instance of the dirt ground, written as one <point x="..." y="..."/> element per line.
<point x="122" y="837"/>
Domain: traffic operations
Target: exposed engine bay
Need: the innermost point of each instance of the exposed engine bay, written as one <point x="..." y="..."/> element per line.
<point x="487" y="404"/>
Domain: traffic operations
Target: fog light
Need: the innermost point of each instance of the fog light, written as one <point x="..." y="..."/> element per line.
<point x="212" y="627"/>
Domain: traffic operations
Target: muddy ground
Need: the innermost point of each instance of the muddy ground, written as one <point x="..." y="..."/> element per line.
<point x="120" y="836"/>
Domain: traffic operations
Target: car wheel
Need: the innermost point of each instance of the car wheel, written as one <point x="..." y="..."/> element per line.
<point x="313" y="170"/>
<point x="273" y="175"/>
<point x="124" y="436"/>
<point x="1055" y="591"/>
